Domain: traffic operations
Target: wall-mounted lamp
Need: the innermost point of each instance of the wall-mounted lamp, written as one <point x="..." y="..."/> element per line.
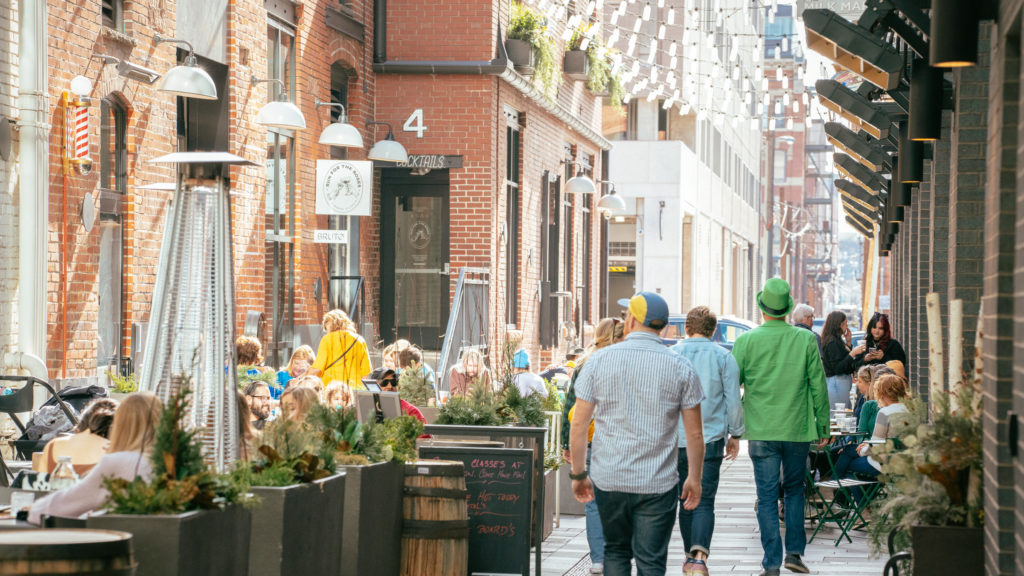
<point x="187" y="80"/>
<point x="862" y="148"/>
<point x="856" y="109"/>
<point x="580" y="183"/>
<point x="280" y="113"/>
<point x="852" y="47"/>
<point x="388" y="149"/>
<point x="870" y="202"/>
<point x="129" y="70"/>
<point x="903" y="195"/>
<point x="340" y="133"/>
<point x="954" y="33"/>
<point x="856" y="172"/>
<point x="611" y="204"/>
<point x="927" y="96"/>
<point x="911" y="158"/>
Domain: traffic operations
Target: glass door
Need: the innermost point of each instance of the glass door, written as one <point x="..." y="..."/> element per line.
<point x="415" y="276"/>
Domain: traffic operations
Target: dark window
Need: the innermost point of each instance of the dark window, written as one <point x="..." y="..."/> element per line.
<point x="512" y="167"/>
<point x="588" y="265"/>
<point x="662" y="121"/>
<point x="342" y="259"/>
<point x="113" y="162"/>
<point x="113" y="14"/>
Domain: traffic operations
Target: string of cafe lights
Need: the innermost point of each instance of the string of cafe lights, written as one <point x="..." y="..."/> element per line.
<point x="660" y="80"/>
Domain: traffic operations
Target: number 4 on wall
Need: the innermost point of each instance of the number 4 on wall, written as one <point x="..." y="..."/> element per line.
<point x="414" y="123"/>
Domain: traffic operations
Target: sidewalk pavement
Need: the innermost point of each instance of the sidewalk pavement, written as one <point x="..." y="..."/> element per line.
<point x="736" y="547"/>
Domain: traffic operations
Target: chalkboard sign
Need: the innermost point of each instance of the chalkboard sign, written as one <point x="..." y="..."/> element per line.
<point x="499" y="497"/>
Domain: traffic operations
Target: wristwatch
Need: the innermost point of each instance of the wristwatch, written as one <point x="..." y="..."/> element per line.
<point x="580" y="476"/>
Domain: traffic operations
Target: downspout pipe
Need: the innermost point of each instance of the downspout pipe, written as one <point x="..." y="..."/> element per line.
<point x="33" y="193"/>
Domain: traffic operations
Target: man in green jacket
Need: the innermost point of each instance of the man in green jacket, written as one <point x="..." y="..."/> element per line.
<point x="785" y="409"/>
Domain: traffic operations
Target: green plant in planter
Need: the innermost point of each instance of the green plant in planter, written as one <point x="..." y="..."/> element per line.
<point x="287" y="457"/>
<point x="526" y="411"/>
<point x="340" y="434"/>
<point x="181" y="479"/>
<point x="122" y="385"/>
<point x="247" y="373"/>
<point x="554" y="401"/>
<point x="393" y="439"/>
<point x="600" y="78"/>
<point x="414" y="387"/>
<point x="477" y="408"/>
<point x="934" y="476"/>
<point x="529" y="25"/>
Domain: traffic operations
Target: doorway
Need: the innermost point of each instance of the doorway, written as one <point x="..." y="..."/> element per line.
<point x="414" y="257"/>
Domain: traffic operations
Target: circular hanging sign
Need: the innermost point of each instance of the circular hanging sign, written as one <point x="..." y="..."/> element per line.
<point x="419" y="235"/>
<point x="343" y="187"/>
<point x="88" y="212"/>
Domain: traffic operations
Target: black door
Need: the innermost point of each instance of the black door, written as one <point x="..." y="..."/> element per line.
<point x="414" y="257"/>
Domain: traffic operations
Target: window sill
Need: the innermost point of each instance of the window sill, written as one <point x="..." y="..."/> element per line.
<point x="121" y="37"/>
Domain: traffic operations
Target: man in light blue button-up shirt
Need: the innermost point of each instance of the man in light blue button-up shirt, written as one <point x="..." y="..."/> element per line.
<point x="723" y="425"/>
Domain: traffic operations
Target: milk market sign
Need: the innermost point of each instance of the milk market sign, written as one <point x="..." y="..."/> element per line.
<point x="343" y="187"/>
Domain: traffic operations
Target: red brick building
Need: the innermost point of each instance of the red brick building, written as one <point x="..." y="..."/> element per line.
<point x="483" y="189"/>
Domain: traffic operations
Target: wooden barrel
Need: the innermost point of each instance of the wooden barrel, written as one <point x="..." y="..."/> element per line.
<point x="435" y="524"/>
<point x="70" y="551"/>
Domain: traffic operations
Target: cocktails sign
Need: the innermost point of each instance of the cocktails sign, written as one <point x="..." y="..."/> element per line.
<point x="343" y="187"/>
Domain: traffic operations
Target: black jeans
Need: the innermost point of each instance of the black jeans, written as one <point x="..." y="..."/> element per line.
<point x="636" y="525"/>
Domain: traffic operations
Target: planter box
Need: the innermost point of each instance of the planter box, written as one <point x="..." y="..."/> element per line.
<point x="297" y="529"/>
<point x="372" y="527"/>
<point x="119" y="396"/>
<point x="943" y="550"/>
<point x="200" y="543"/>
<point x="576" y="65"/>
<point x="549" y="503"/>
<point x="520" y="53"/>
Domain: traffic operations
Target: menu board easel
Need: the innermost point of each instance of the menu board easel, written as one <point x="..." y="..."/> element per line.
<point x="499" y="489"/>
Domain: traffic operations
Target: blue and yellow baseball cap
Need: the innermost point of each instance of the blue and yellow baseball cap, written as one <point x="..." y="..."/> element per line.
<point x="648" y="308"/>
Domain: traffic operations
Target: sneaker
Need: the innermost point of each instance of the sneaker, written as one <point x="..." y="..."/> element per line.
<point x="794" y="563"/>
<point x="597" y="568"/>
<point x="694" y="567"/>
<point x="770" y="572"/>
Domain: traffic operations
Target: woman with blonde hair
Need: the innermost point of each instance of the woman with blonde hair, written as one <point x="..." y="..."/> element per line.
<point x="297" y="401"/>
<point x="469" y="369"/>
<point x="342" y="352"/>
<point x="89" y="442"/>
<point x="889" y="390"/>
<point x="132" y="436"/>
<point x="609" y="331"/>
<point x="302" y="358"/>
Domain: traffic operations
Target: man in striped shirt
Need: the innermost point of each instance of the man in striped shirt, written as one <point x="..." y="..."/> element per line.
<point x="635" y="391"/>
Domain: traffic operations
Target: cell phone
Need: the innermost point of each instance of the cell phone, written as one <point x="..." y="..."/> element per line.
<point x="872" y="350"/>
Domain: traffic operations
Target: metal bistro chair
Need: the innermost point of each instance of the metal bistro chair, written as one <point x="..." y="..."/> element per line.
<point x="844" y="518"/>
<point x="20" y="402"/>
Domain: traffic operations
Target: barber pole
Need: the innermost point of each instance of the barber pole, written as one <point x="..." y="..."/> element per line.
<point x="81" y="134"/>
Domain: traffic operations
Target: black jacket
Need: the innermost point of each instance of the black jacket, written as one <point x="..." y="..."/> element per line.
<point x="894" y="351"/>
<point x="837" y="360"/>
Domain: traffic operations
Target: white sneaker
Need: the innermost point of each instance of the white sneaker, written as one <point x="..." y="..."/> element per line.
<point x="597" y="568"/>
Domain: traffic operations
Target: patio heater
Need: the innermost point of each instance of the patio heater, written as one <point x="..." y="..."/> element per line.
<point x="192" y="322"/>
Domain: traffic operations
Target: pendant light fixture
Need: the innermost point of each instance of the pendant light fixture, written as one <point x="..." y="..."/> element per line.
<point x="187" y="80"/>
<point x="388" y="149"/>
<point x="280" y="114"/>
<point x="926" y="96"/>
<point x="611" y="204"/>
<point x="911" y="158"/>
<point x="953" y="41"/>
<point x="340" y="133"/>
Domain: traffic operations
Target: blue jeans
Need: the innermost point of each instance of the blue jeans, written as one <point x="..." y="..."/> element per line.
<point x="636" y="525"/>
<point x="768" y="458"/>
<point x="595" y="535"/>
<point x="697" y="526"/>
<point x="839" y="390"/>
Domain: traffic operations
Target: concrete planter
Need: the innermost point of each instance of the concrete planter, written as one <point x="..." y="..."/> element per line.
<point x="569" y="505"/>
<point x="119" y="396"/>
<point x="942" y="550"/>
<point x="520" y="52"/>
<point x="199" y="543"/>
<point x="372" y="526"/>
<point x="298" y="529"/>
<point x="576" y="65"/>
<point x="549" y="503"/>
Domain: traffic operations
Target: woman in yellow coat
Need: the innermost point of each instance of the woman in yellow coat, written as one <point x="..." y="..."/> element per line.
<point x="342" y="355"/>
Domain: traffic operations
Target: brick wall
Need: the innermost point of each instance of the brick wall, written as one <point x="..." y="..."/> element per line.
<point x="967" y="192"/>
<point x="918" y="354"/>
<point x="8" y="172"/>
<point x="938" y="227"/>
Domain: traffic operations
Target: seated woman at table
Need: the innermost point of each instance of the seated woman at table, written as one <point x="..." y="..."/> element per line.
<point x="297" y="401"/>
<point x="89" y="442"/>
<point x="297" y="366"/>
<point x="890" y="390"/>
<point x="132" y="435"/>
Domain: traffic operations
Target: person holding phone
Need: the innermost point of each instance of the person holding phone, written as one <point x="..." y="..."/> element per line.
<point x="881" y="346"/>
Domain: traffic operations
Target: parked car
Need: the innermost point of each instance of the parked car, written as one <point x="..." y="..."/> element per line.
<point x="728" y="330"/>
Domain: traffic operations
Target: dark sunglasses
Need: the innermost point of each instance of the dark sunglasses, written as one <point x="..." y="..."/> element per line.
<point x="388" y="383"/>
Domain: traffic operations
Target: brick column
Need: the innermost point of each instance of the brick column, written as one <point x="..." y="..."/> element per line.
<point x="938" y="230"/>
<point x="1000" y="212"/>
<point x="918" y="356"/>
